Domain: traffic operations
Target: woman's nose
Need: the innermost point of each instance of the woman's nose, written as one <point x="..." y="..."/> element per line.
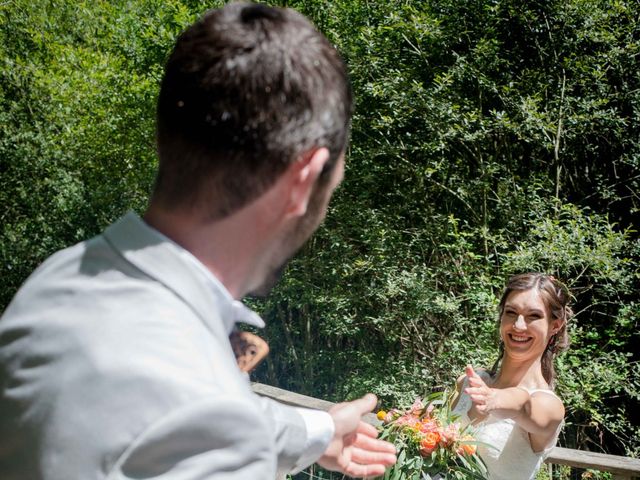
<point x="520" y="323"/>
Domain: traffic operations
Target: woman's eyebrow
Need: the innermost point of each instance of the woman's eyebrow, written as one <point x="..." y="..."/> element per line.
<point x="531" y="311"/>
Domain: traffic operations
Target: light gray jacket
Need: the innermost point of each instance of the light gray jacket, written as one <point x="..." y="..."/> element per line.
<point x="115" y="364"/>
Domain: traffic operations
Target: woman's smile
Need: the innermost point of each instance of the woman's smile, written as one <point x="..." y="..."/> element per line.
<point x="519" y="338"/>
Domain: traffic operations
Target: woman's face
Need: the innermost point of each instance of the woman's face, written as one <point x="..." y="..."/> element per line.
<point x="526" y="325"/>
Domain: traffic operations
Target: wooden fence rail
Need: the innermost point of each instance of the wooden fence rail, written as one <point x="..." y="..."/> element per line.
<point x="622" y="468"/>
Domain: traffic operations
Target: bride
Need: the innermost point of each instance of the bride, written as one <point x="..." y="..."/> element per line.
<point x="513" y="406"/>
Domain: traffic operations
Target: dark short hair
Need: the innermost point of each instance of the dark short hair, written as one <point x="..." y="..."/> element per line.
<point x="247" y="89"/>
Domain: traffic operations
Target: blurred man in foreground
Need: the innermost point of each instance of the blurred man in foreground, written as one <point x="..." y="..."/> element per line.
<point x="115" y="359"/>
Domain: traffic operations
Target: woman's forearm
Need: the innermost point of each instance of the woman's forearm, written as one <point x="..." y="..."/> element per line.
<point x="514" y="403"/>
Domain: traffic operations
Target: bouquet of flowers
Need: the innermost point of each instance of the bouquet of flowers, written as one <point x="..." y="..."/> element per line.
<point x="431" y="443"/>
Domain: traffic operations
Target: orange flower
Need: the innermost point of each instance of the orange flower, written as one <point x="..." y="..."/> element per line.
<point x="467" y="448"/>
<point x="429" y="443"/>
<point x="381" y="415"/>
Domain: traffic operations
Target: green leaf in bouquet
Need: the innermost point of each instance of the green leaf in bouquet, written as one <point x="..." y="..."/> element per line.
<point x="435" y="398"/>
<point x="398" y="475"/>
<point x="473" y="470"/>
<point x="435" y="476"/>
<point x="402" y="457"/>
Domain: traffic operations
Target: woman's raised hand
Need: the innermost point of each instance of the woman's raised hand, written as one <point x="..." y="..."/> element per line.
<point x="483" y="397"/>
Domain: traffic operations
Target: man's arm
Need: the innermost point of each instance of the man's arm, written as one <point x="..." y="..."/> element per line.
<point x="297" y="445"/>
<point x="344" y="443"/>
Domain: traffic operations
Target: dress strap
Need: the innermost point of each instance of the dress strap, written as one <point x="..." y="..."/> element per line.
<point x="531" y="391"/>
<point x="543" y="390"/>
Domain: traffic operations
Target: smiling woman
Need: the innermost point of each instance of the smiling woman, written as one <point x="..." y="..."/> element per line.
<point x="513" y="406"/>
<point x="534" y="308"/>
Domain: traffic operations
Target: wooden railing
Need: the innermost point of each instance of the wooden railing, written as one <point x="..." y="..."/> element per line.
<point x="622" y="468"/>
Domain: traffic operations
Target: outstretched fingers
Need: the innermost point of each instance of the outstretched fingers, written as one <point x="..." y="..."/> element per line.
<point x="367" y="443"/>
<point x="478" y="398"/>
<point x="367" y="429"/>
<point x="370" y="461"/>
<point x="361" y="471"/>
<point x="474" y="379"/>
<point x="364" y="404"/>
<point x="469" y="371"/>
<point x="355" y="449"/>
<point x="369" y="456"/>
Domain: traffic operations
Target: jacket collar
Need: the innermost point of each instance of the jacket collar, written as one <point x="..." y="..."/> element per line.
<point x="177" y="269"/>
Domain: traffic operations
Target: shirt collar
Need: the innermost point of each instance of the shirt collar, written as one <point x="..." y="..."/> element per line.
<point x="174" y="266"/>
<point x="236" y="311"/>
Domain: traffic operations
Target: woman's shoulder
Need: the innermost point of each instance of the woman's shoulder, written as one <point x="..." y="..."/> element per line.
<point x="544" y="392"/>
<point x="547" y="400"/>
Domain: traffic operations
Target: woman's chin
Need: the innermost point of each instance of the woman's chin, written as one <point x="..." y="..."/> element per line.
<point x="519" y="349"/>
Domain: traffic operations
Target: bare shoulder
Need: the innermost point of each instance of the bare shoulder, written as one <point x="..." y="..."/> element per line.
<point x="546" y="414"/>
<point x="549" y="404"/>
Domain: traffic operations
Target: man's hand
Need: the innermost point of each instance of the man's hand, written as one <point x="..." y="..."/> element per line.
<point x="354" y="449"/>
<point x="483" y="397"/>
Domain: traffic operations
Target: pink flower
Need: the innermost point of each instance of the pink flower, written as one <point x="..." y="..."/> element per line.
<point x="451" y="434"/>
<point x="417" y="406"/>
<point x="407" y="420"/>
<point x="429" y="425"/>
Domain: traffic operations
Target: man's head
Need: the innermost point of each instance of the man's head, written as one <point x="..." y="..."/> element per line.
<point x="247" y="90"/>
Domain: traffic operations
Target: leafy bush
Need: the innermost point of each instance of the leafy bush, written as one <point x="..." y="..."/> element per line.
<point x="489" y="138"/>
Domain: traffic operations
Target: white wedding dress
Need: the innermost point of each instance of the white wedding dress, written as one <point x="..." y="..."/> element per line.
<point x="512" y="457"/>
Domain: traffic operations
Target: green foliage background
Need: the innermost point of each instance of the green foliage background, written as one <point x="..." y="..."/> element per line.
<point x="490" y="138"/>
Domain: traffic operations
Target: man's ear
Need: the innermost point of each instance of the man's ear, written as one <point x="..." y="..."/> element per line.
<point x="303" y="175"/>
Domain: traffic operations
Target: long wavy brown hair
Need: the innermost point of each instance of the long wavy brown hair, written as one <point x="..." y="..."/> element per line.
<point x="556" y="297"/>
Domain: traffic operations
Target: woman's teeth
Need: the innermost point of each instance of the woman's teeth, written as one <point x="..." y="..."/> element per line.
<point x="518" y="338"/>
